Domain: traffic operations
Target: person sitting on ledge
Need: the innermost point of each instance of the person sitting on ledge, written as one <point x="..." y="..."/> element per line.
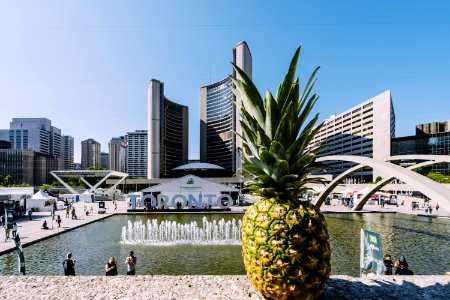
<point x="44" y="225"/>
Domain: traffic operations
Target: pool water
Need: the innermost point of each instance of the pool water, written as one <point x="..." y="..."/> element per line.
<point x="424" y="241"/>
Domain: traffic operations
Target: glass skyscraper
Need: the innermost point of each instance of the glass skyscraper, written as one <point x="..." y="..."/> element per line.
<point x="219" y="117"/>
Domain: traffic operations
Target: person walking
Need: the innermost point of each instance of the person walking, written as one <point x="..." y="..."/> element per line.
<point x="58" y="220"/>
<point x="115" y="205"/>
<point x="437" y="207"/>
<point x="74" y="214"/>
<point x="30" y="213"/>
<point x="14" y="229"/>
<point x="402" y="267"/>
<point x="69" y="265"/>
<point x="67" y="211"/>
<point x="131" y="264"/>
<point x="111" y="267"/>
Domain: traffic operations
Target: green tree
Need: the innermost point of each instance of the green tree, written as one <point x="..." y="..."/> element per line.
<point x="8" y="180"/>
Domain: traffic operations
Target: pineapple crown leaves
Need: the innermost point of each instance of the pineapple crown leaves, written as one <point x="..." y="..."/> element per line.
<point x="276" y="153"/>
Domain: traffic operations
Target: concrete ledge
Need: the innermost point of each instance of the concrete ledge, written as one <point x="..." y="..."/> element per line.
<point x="212" y="287"/>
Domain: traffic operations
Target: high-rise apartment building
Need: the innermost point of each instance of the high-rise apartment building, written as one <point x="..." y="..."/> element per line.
<point x="137" y="154"/>
<point x="67" y="152"/>
<point x="363" y="130"/>
<point x="168" y="132"/>
<point x="117" y="154"/>
<point x="220" y="117"/>
<point x="90" y="154"/>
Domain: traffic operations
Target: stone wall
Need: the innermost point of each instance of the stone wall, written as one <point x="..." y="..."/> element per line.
<point x="212" y="287"/>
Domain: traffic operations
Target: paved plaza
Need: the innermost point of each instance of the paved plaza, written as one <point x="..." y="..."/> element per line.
<point x="31" y="231"/>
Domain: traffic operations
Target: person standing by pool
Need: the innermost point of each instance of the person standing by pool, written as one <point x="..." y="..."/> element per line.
<point x="67" y="211"/>
<point x="69" y="265"/>
<point x="388" y="264"/>
<point x="111" y="267"/>
<point x="58" y="220"/>
<point x="131" y="264"/>
<point x="402" y="267"/>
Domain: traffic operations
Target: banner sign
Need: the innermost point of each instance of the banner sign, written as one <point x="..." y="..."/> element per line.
<point x="371" y="257"/>
<point x="20" y="253"/>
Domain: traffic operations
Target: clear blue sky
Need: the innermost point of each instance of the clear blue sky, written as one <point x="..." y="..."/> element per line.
<point x="86" y="64"/>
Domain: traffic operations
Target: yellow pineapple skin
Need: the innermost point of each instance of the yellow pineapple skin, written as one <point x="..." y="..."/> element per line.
<point x="286" y="250"/>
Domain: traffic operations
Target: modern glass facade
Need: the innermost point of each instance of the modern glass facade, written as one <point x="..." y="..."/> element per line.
<point x="219" y="117"/>
<point x="220" y="125"/>
<point x="431" y="144"/>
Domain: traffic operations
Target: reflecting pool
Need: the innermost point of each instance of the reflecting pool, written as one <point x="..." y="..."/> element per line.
<point x="424" y="241"/>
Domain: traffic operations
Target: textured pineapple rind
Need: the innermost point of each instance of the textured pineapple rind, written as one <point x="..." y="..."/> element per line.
<point x="285" y="249"/>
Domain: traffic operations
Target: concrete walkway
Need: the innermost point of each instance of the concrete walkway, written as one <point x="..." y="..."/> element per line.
<point x="30" y="232"/>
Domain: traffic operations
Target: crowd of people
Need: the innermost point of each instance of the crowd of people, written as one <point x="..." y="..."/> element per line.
<point x="111" y="267"/>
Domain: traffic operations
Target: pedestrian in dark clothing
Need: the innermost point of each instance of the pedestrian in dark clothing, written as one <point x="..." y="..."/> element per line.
<point x="402" y="267"/>
<point x="69" y="265"/>
<point x="58" y="220"/>
<point x="30" y="212"/>
<point x="111" y="267"/>
<point x="388" y="264"/>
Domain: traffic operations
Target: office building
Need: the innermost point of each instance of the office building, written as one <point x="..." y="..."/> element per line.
<point x="36" y="134"/>
<point x="90" y="154"/>
<point x="27" y="166"/>
<point x="363" y="130"/>
<point x="117" y="154"/>
<point x="67" y="152"/>
<point x="137" y="154"/>
<point x="5" y="144"/>
<point x="220" y="116"/>
<point x="168" y="132"/>
<point x="104" y="160"/>
<point x="433" y="128"/>
<point x="31" y="148"/>
<point x="430" y="139"/>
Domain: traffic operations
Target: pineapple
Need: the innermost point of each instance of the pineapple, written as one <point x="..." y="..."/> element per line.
<point x="284" y="239"/>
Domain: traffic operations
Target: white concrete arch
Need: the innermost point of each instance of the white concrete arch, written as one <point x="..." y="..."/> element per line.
<point x="377" y="186"/>
<point x="330" y="187"/>
<point x="428" y="187"/>
<point x="429" y="160"/>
